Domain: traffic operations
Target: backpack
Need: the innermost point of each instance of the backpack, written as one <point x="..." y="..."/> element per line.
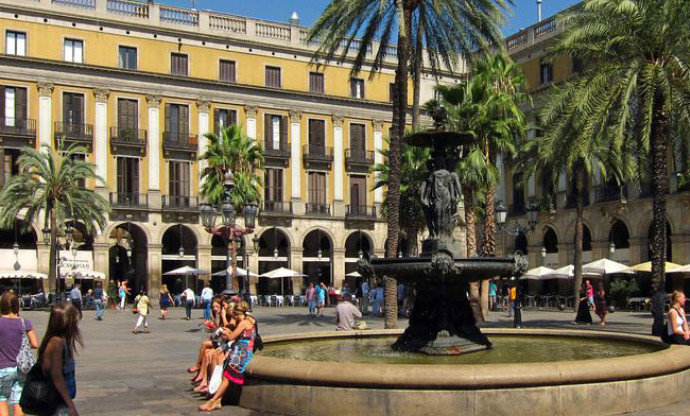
<point x="25" y="358"/>
<point x="258" y="342"/>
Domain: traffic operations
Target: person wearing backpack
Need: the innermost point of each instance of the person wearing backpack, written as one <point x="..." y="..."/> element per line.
<point x="13" y="328"/>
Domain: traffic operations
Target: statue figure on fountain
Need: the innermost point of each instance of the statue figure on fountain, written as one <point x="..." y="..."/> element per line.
<point x="440" y="194"/>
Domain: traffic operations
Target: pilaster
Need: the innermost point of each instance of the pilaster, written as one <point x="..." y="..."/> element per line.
<point x="100" y="260"/>
<point x="203" y="107"/>
<point x="154" y="267"/>
<point x="296" y="255"/>
<point x="296" y="162"/>
<point x="338" y="265"/>
<point x="45" y="113"/>
<point x="338" y="165"/>
<point x="378" y="158"/>
<point x="154" y="154"/>
<point x="250" y="113"/>
<point x="100" y="132"/>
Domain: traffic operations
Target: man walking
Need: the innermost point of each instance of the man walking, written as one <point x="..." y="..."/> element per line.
<point x="207" y="299"/>
<point x="189" y="302"/>
<point x="75" y="296"/>
<point x="98" y="300"/>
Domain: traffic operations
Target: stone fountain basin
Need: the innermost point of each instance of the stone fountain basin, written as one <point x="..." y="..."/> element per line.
<point x="469" y="269"/>
<point x="597" y="386"/>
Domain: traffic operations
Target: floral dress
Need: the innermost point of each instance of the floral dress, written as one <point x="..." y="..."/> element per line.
<point x="240" y="355"/>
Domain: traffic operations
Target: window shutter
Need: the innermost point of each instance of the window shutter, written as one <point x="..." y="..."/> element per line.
<point x="353" y="88"/>
<point x="283" y="131"/>
<point x="20" y="105"/>
<point x="184" y="121"/>
<point x="79" y="109"/>
<point x="232" y="117"/>
<point x="216" y="121"/>
<point x="268" y="130"/>
<point x="168" y="121"/>
<point x="2" y="106"/>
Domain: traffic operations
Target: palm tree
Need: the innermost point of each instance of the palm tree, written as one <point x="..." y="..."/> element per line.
<point x="50" y="187"/>
<point x="462" y="26"/>
<point x="637" y="80"/>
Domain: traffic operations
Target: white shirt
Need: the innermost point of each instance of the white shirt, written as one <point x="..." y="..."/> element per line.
<point x="207" y="293"/>
<point x="189" y="295"/>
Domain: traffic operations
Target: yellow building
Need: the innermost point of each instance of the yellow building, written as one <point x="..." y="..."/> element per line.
<point x="140" y="84"/>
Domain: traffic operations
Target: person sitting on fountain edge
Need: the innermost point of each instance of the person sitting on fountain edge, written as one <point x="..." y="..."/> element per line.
<point x="345" y="314"/>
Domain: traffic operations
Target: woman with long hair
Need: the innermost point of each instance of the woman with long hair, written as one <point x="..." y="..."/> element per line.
<point x="165" y="300"/>
<point x="56" y="354"/>
<point x="12" y="329"/>
<point x="678" y="332"/>
<point x="240" y="354"/>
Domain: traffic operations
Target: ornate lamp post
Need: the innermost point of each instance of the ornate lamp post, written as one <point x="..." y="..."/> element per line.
<point x="229" y="231"/>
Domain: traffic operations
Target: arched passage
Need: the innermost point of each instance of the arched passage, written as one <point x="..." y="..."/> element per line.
<point x="521" y="243"/>
<point x="274" y="252"/>
<point x="619" y="235"/>
<point x="357" y="245"/>
<point x="179" y="248"/>
<point x="128" y="256"/>
<point x="25" y="260"/>
<point x="317" y="258"/>
<point x="550" y="242"/>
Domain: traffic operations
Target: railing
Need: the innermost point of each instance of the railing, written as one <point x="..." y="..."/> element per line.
<point x="571" y="200"/>
<point x="545" y="28"/>
<point x="276" y="207"/>
<point x="134" y="136"/>
<point x="17" y="126"/>
<point x="283" y="149"/>
<point x="318" y="152"/>
<point x="179" y="138"/>
<point x="269" y="30"/>
<point x="85" y="4"/>
<point x="608" y="194"/>
<point x="180" y="202"/>
<point x="361" y="211"/>
<point x="359" y="156"/>
<point x="317" y="209"/>
<point x="74" y="131"/>
<point x="517" y="40"/>
<point x="646" y="190"/>
<point x="128" y="8"/>
<point x="127" y="199"/>
<point x="179" y="16"/>
<point x="391" y="51"/>
<point x="228" y="24"/>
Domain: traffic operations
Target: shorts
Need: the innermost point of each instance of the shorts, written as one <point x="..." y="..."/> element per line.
<point x="321" y="302"/>
<point x="590" y="299"/>
<point x="11" y="385"/>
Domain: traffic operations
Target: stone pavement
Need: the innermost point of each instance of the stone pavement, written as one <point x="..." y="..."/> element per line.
<point x="122" y="373"/>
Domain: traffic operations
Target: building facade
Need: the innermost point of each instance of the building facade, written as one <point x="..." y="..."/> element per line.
<point x="140" y="84"/>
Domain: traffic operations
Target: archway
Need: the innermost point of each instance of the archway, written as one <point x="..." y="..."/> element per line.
<point x="25" y="260"/>
<point x="274" y="252"/>
<point x="357" y="245"/>
<point x="404" y="249"/>
<point x="179" y="248"/>
<point x="521" y="243"/>
<point x="586" y="239"/>
<point x="317" y="258"/>
<point x="550" y="241"/>
<point x="619" y="235"/>
<point x="78" y="254"/>
<point x="128" y="256"/>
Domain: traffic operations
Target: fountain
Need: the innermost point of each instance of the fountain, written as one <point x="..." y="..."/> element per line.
<point x="443" y="362"/>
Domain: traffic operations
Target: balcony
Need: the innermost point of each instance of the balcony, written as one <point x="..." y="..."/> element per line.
<point x="180" y="145"/>
<point x="128" y="142"/>
<point x="276" y="156"/>
<point x="74" y="133"/>
<point x="127" y="206"/>
<point x="361" y="212"/>
<point x="323" y="210"/>
<point x="612" y="194"/>
<point x="177" y="208"/>
<point x="16" y="132"/>
<point x="359" y="161"/>
<point x="275" y="213"/>
<point x="276" y="207"/>
<point x="317" y="157"/>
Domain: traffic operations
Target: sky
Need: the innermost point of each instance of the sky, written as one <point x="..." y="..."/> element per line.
<point x="524" y="12"/>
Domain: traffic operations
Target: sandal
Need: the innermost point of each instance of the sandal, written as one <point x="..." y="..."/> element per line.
<point x="135" y="332"/>
<point x="210" y="405"/>
<point x="193" y="369"/>
<point x="202" y="389"/>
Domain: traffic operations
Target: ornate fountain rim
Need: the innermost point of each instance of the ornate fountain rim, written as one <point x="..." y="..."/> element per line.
<point x="473" y="376"/>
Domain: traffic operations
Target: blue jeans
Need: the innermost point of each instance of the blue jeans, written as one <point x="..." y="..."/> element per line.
<point x="188" y="308"/>
<point x="99" y="308"/>
<point x="312" y="306"/>
<point x="207" y="309"/>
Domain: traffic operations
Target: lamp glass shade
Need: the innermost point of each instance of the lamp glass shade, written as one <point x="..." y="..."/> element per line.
<point x="228" y="214"/>
<point x="46" y="235"/>
<point x="228" y="180"/>
<point x="250" y="211"/>
<point x="275" y="253"/>
<point x="208" y="216"/>
<point x="256" y="240"/>
<point x="532" y="213"/>
<point x="180" y="252"/>
<point x="319" y="254"/>
<point x="501" y="213"/>
<point x="543" y="252"/>
<point x="69" y="233"/>
<point x="612" y="247"/>
<point x="15" y="248"/>
<point x="129" y="252"/>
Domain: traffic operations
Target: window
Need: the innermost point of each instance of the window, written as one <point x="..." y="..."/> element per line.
<point x="273" y="76"/>
<point x="74" y="51"/>
<point x="273" y="191"/>
<point x="15" y="43"/>
<point x="228" y="71"/>
<point x="317" y="190"/>
<point x="127" y="180"/>
<point x="81" y="183"/>
<point x="578" y="65"/>
<point x="358" y="194"/>
<point x="391" y="92"/>
<point x="317" y="137"/>
<point x="176" y="123"/>
<point x="128" y="118"/>
<point x="13" y="107"/>
<point x="223" y="118"/>
<point x="178" y="186"/>
<point x="545" y="72"/>
<point x="275" y="132"/>
<point x="178" y="64"/>
<point x="356" y="88"/>
<point x="357" y="140"/>
<point x="9" y="164"/>
<point x="72" y="112"/>
<point x="316" y="82"/>
<point x="127" y="57"/>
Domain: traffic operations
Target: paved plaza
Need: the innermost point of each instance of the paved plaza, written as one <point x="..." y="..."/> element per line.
<point x="119" y="373"/>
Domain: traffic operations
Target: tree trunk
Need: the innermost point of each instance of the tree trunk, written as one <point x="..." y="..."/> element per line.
<point x="52" y="273"/>
<point x="476" y="302"/>
<point x="658" y="149"/>
<point x="579" y="232"/>
<point x="417" y="77"/>
<point x="399" y="113"/>
<point x="489" y="243"/>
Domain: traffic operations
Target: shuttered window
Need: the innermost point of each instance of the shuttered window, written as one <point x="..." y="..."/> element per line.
<point x="545" y="72"/>
<point x="273" y="76"/>
<point x="74" y="51"/>
<point x="13" y="106"/>
<point x="177" y="121"/>
<point x="127" y="57"/>
<point x="128" y="117"/>
<point x="356" y="88"/>
<point x="317" y="188"/>
<point x="127" y="178"/>
<point x="275" y="132"/>
<point x="273" y="191"/>
<point x="357" y="139"/>
<point x="179" y="180"/>
<point x="178" y="64"/>
<point x="317" y="137"/>
<point x="73" y="108"/>
<point x="227" y="71"/>
<point x="223" y="118"/>
<point x="15" y="43"/>
<point x="316" y="83"/>
<point x="358" y="194"/>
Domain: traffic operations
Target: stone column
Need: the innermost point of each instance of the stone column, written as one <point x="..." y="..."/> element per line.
<point x="638" y="250"/>
<point x="338" y="164"/>
<point x="254" y="268"/>
<point x="338" y="266"/>
<point x="203" y="256"/>
<point x="296" y="162"/>
<point x="154" y="266"/>
<point x="378" y="158"/>
<point x="203" y="107"/>
<point x="250" y="112"/>
<point x="101" y="261"/>
<point x="296" y="255"/>
<point x="154" y="154"/>
<point x="565" y="253"/>
<point x="600" y="249"/>
<point x="100" y="137"/>
<point x="45" y="113"/>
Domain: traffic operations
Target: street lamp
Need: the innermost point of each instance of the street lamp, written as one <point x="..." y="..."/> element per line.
<point x="612" y="247"/>
<point x="501" y="214"/>
<point x="543" y="252"/>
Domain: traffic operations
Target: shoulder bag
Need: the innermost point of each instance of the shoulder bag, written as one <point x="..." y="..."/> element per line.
<point x="39" y="395"/>
<point x="25" y="358"/>
<point x="258" y="342"/>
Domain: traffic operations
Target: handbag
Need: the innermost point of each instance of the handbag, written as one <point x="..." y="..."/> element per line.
<point x="258" y="342"/>
<point x="216" y="378"/>
<point x="135" y="310"/>
<point x="25" y="358"/>
<point x="39" y="395"/>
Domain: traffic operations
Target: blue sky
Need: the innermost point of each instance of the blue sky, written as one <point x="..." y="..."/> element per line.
<point x="524" y="11"/>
